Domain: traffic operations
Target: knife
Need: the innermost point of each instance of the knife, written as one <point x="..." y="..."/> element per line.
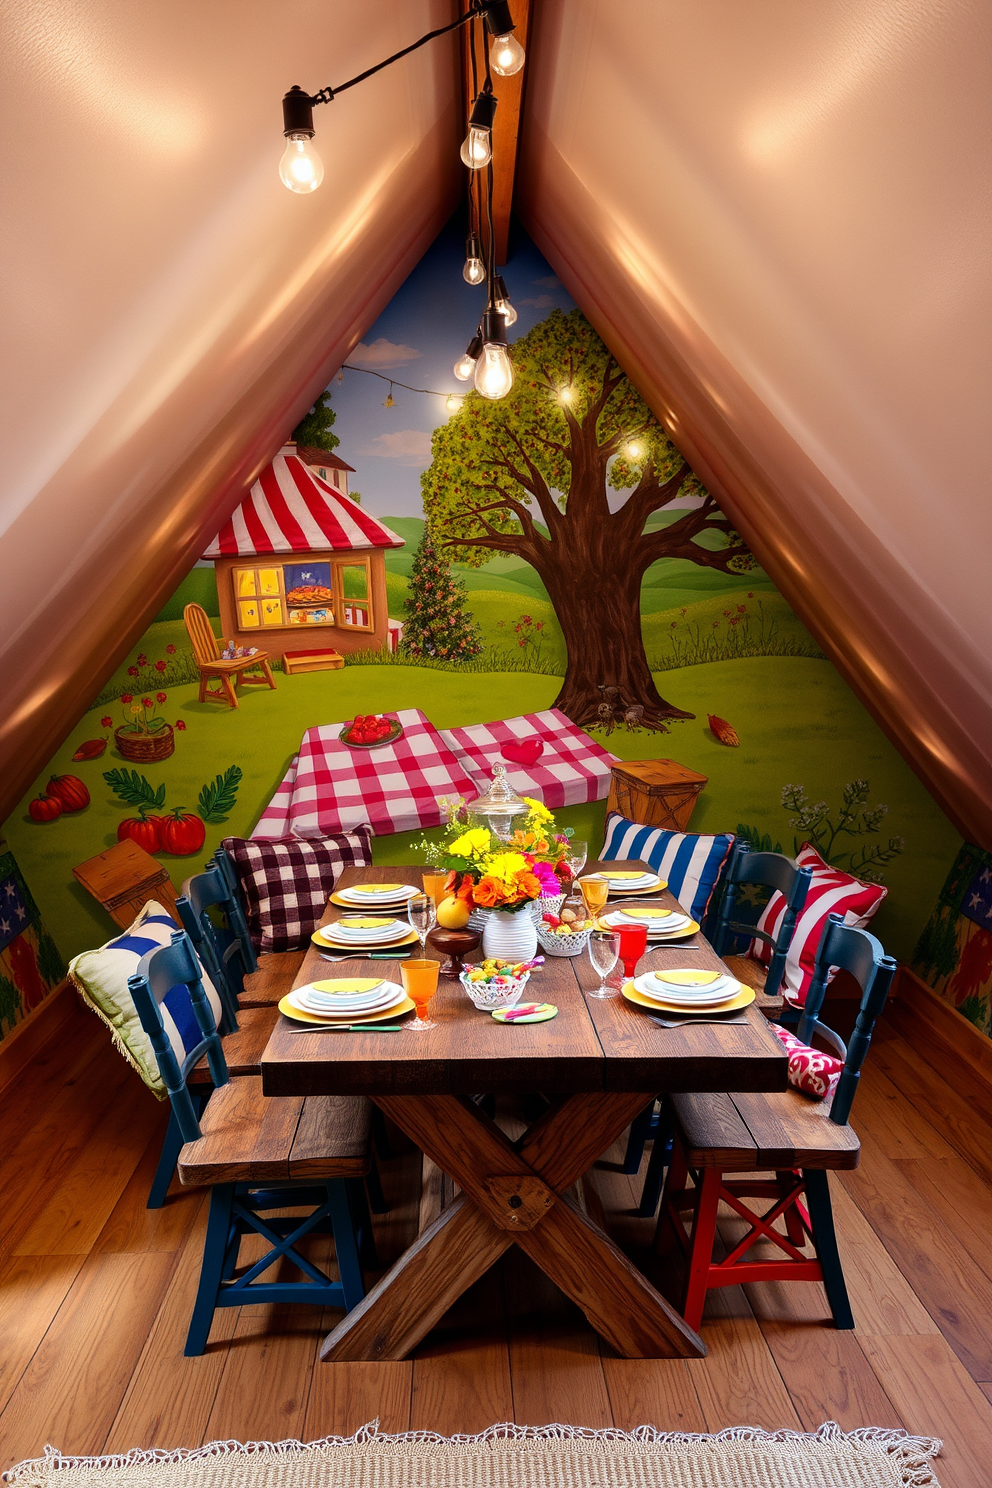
<point x="368" y="956"/>
<point x="352" y="1028"/>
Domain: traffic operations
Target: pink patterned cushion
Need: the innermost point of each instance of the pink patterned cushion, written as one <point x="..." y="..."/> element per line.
<point x="810" y="1071"/>
<point x="831" y="892"/>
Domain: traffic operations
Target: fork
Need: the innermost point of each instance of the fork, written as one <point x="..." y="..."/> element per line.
<point x="738" y="1018"/>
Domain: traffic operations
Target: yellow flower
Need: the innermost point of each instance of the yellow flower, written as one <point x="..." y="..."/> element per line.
<point x="505" y="865"/>
<point x="538" y="810"/>
<point x="471" y="844"/>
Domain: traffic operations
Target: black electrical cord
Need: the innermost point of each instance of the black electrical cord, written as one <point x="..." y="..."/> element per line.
<point x="325" y="95"/>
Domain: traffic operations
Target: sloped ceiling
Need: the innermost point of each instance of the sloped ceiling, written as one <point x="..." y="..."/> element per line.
<point x="772" y="212"/>
<point x="776" y="216"/>
<point x="170" y="309"/>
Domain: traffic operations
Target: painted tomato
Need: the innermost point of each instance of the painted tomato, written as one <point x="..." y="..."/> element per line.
<point x="45" y="808"/>
<point x="143" y="830"/>
<point x="182" y="833"/>
<point x="70" y="790"/>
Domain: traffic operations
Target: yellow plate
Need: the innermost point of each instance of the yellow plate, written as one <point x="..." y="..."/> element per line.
<point x="742" y="999"/>
<point x="298" y="1016"/>
<point x="686" y="930"/>
<point x="358" y="948"/>
<point x="638" y="893"/>
<point x="689" y="976"/>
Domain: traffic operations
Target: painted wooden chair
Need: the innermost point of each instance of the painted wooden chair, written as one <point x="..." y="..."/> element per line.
<point x="767" y="870"/>
<point x="785" y="1136"/>
<point x="206" y="650"/>
<point x="213" y="918"/>
<point x="257" y="1154"/>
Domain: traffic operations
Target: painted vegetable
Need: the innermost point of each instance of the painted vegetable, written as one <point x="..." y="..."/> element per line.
<point x="723" y="731"/>
<point x="143" y="830"/>
<point x="91" y="749"/>
<point x="70" y="790"/>
<point x="182" y="833"/>
<point x="45" y="808"/>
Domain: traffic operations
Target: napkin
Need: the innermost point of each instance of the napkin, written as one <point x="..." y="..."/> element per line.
<point x="646" y="914"/>
<point x="344" y="985"/>
<point x="690" y="977"/>
<point x="626" y="873"/>
<point x="522" y="751"/>
<point x="377" y="888"/>
<point x="362" y="922"/>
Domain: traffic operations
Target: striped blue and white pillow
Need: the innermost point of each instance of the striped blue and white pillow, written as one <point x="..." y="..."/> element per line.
<point x="101" y="978"/>
<point x="692" y="864"/>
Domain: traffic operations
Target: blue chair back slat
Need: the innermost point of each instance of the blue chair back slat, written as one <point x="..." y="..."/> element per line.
<point x="860" y="954"/>
<point x="226" y="868"/>
<point x="159" y="974"/>
<point x="772" y="871"/>
<point x="224" y="947"/>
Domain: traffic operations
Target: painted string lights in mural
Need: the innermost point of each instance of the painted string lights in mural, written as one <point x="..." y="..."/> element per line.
<point x="487" y="359"/>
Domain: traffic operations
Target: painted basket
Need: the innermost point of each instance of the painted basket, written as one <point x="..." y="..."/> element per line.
<point x="145" y="748"/>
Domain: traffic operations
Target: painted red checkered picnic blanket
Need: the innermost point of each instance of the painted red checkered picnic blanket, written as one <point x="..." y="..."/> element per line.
<point x="572" y="769"/>
<point x="395" y="786"/>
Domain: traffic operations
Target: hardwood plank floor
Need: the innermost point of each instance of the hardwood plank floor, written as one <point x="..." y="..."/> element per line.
<point x="96" y="1293"/>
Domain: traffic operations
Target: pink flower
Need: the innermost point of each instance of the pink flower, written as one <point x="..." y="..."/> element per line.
<point x="106" y="721"/>
<point x="548" y="879"/>
<point x="180" y="725"/>
<point x="160" y="697"/>
<point x="171" y="649"/>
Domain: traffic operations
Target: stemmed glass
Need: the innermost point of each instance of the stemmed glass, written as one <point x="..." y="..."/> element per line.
<point x="422" y="914"/>
<point x="576" y="855"/>
<point x="595" y="891"/>
<point x="604" y="951"/>
<point x="420" y="985"/>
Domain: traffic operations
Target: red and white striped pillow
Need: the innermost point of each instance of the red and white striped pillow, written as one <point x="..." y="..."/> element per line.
<point x="831" y="892"/>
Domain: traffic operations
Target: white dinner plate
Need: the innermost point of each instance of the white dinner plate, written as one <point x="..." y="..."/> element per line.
<point x="631" y="885"/>
<point x="663" y="925"/>
<point x="389" y="998"/>
<point x="711" y="995"/>
<point x="378" y="932"/>
<point x="392" y="896"/>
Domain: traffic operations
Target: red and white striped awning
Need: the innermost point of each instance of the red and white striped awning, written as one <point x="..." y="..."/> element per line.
<point x="290" y="509"/>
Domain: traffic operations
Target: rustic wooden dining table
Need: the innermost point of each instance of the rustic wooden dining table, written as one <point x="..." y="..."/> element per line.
<point x="599" y="1063"/>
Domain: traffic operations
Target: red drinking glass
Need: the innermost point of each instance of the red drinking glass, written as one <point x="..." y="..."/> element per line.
<point x="633" y="944"/>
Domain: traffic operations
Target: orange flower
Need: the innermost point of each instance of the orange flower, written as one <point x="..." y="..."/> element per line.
<point x="528" y="886"/>
<point x="488" y="893"/>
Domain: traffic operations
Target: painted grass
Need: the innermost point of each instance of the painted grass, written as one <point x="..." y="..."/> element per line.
<point x="796" y="719"/>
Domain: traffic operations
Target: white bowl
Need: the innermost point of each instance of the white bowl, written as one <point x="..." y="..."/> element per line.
<point x="562" y="945"/>
<point x="487" y="996"/>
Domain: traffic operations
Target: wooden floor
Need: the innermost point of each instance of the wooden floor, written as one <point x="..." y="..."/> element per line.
<point x="95" y="1297"/>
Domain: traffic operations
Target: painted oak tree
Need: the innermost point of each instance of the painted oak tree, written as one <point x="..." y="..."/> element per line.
<point x="530" y="475"/>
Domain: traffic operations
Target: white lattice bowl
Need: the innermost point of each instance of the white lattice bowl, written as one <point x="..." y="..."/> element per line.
<point x="487" y="996"/>
<point x="562" y="945"/>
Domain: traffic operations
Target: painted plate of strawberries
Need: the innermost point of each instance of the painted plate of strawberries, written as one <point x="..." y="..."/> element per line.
<point x="369" y="730"/>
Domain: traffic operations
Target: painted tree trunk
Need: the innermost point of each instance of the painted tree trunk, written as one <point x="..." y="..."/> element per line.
<point x="598" y="609"/>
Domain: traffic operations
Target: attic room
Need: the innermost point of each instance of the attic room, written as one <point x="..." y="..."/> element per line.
<point x="495" y="784"/>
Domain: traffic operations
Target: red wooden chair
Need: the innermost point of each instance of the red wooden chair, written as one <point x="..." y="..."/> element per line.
<point x="785" y="1143"/>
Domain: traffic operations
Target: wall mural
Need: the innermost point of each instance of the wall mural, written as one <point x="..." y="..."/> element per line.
<point x="479" y="560"/>
<point x="954" y="954"/>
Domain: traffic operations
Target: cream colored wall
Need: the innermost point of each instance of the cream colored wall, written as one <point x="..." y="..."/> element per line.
<point x="776" y="215"/>
<point x="169" y="308"/>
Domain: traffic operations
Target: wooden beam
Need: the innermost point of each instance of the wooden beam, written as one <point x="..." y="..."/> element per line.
<point x="506" y="129"/>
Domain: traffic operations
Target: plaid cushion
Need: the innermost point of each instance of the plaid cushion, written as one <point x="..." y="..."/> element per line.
<point x="286" y="882"/>
<point x="691" y="863"/>
<point x="832" y="891"/>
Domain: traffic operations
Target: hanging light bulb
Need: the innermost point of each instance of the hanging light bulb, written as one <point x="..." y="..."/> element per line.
<point x="452" y="402"/>
<point x="390" y="401"/>
<point x="502" y="302"/>
<point x="301" y="168"/>
<point x="475" y="270"/>
<point x="477" y="149"/>
<point x="465" y="366"/>
<point x="506" y="55"/>
<point x="493" y="370"/>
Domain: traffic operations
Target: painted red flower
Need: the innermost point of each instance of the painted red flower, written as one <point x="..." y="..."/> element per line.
<point x="742" y="609"/>
<point x="180" y="725"/>
<point x="160" y="666"/>
<point x="749" y="594"/>
<point x="146" y="702"/>
<point x="127" y="697"/>
<point x="160" y="697"/>
<point x="106" y="721"/>
<point x="142" y="659"/>
<point x="132" y="671"/>
<point x="171" y="649"/>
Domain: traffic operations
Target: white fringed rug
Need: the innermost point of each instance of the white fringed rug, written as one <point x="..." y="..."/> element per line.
<point x="515" y="1457"/>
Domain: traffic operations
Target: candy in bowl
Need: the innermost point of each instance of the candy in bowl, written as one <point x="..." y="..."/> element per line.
<point x="495" y="984"/>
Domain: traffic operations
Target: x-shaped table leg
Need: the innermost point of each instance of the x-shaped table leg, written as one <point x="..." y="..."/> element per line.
<point x="513" y="1194"/>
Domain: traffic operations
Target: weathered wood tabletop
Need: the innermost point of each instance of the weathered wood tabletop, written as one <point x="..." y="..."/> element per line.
<point x="602" y="1059"/>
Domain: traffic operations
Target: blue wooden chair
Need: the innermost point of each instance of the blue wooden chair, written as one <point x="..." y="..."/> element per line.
<point x="767" y="870"/>
<point x="213" y="918"/>
<point x="256" y="1153"/>
<point x="784" y="1132"/>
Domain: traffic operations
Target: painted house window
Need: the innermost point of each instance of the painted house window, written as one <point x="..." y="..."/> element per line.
<point x="337" y="592"/>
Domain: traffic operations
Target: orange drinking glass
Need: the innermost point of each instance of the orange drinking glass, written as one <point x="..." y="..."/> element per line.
<point x="595" y="892"/>
<point x="420" y="984"/>
<point x="434" y="885"/>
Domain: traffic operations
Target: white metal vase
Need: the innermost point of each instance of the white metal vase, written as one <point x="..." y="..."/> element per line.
<point x="511" y="937"/>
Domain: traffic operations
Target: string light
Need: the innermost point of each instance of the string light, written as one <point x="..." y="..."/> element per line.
<point x="465" y="365"/>
<point x="475" y="270"/>
<point x="452" y="402"/>
<point x="493" y="369"/>
<point x="502" y="302"/>
<point x="477" y="147"/>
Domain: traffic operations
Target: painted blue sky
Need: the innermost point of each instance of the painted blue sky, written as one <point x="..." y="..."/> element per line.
<point x="418" y="338"/>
